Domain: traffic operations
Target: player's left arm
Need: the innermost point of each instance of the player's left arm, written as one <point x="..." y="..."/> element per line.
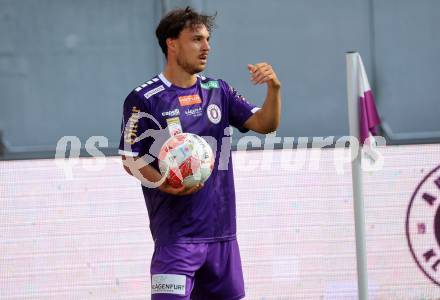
<point x="267" y="119"/>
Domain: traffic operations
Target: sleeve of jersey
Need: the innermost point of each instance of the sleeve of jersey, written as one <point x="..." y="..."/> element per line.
<point x="239" y="109"/>
<point x="132" y="126"/>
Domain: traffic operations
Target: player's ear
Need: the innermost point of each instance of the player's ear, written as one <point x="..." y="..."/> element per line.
<point x="171" y="44"/>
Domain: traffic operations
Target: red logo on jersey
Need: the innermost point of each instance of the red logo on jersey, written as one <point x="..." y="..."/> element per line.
<point x="189" y="100"/>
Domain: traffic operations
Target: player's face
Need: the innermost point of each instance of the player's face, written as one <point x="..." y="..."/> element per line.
<point x="192" y="49"/>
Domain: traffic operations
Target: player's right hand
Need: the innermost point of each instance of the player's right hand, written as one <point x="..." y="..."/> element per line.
<point x="182" y="191"/>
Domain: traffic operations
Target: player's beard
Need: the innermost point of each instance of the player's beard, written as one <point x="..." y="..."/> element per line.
<point x="188" y="67"/>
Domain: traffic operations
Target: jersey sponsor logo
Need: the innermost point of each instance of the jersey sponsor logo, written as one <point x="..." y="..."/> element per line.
<point x="214" y="113"/>
<point x="189" y="100"/>
<point x="213" y="84"/>
<point x="130" y="135"/>
<point x="195" y="112"/>
<point x="168" y="284"/>
<point x="154" y="91"/>
<point x="174" y="126"/>
<point x="171" y="113"/>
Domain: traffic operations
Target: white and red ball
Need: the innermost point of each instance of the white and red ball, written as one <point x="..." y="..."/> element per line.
<point x="186" y="159"/>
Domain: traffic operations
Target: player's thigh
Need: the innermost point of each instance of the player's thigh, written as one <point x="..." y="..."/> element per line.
<point x="173" y="268"/>
<point x="221" y="277"/>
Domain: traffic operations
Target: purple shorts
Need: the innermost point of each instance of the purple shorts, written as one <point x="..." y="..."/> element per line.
<point x="197" y="271"/>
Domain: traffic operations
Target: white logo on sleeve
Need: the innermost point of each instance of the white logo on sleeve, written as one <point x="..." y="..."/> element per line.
<point x="168" y="284"/>
<point x="214" y="113"/>
<point x="154" y="91"/>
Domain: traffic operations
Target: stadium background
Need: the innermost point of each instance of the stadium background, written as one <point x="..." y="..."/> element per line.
<point x="65" y="68"/>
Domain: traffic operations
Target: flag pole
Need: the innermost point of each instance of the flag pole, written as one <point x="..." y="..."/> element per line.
<point x="356" y="170"/>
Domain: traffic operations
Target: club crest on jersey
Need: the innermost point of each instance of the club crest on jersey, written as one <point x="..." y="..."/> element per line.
<point x="214" y="113"/>
<point x="189" y="100"/>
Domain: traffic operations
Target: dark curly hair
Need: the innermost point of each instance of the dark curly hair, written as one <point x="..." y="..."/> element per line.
<point x="176" y="20"/>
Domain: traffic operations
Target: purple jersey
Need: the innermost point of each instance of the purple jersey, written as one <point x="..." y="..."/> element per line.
<point x="207" y="108"/>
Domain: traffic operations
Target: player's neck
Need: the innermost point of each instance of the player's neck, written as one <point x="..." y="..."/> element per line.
<point x="179" y="77"/>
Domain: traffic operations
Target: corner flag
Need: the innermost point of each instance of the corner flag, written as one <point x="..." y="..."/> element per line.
<point x="368" y="116"/>
<point x="362" y="119"/>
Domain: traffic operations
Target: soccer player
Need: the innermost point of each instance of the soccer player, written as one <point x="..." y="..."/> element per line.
<point x="196" y="255"/>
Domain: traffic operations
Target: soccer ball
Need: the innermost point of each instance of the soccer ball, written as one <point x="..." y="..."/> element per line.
<point x="186" y="159"/>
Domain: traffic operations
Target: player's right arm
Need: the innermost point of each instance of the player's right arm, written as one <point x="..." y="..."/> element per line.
<point x="152" y="175"/>
<point x="131" y="148"/>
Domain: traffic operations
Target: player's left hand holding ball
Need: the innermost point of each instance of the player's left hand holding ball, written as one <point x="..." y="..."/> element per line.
<point x="263" y="73"/>
<point x="180" y="191"/>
